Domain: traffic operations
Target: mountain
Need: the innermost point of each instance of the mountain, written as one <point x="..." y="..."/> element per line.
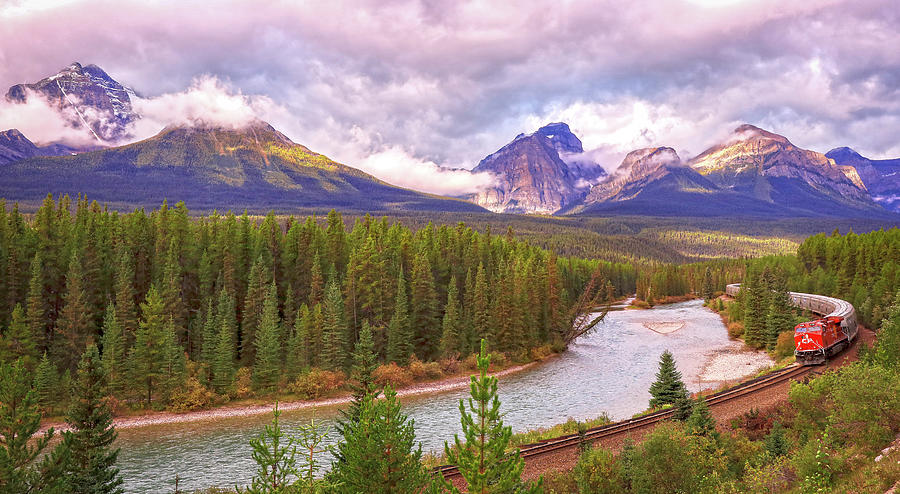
<point x="532" y="173"/>
<point x="257" y="168"/>
<point x="881" y="177"/>
<point x="654" y="181"/>
<point x="94" y="98"/>
<point x="14" y="146"/>
<point x="767" y="167"/>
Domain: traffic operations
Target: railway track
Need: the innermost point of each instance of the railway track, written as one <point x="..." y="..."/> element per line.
<point x="610" y="430"/>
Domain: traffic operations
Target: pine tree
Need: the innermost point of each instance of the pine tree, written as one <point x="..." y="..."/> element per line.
<point x="114" y="354"/>
<point x="209" y="333"/>
<point x="126" y="311"/>
<point x="450" y="338"/>
<point x="275" y="455"/>
<point x="483" y="460"/>
<point x="361" y="374"/>
<point x="266" y="368"/>
<point x="481" y="315"/>
<point x="334" y="332"/>
<point x="35" y="307"/>
<point x="701" y="421"/>
<point x="299" y="346"/>
<point x="223" y="363"/>
<point x="378" y="453"/>
<point x="423" y="317"/>
<point x="399" y="335"/>
<point x="253" y="309"/>
<point x="707" y="284"/>
<point x="148" y="358"/>
<point x="668" y="387"/>
<point x="24" y="466"/>
<point x="91" y="465"/>
<point x="171" y="294"/>
<point x="317" y="282"/>
<point x="46" y="381"/>
<point x="18" y="342"/>
<point x="754" y="308"/>
<point x="174" y="362"/>
<point x="75" y="322"/>
<point x="779" y="318"/>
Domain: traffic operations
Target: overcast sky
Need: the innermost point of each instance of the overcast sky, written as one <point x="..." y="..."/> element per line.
<point x="403" y="88"/>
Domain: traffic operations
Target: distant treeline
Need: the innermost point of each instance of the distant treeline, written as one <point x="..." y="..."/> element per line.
<point x="862" y="269"/>
<point x="165" y="295"/>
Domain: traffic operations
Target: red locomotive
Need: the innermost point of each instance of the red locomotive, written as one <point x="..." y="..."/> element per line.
<point x="817" y="341"/>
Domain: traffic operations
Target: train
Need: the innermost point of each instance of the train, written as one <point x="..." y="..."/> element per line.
<point x="818" y="340"/>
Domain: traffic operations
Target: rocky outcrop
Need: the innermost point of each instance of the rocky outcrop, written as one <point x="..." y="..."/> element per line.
<point x="881" y="177"/>
<point x="14" y="146"/>
<point x="532" y="175"/>
<point x="90" y="97"/>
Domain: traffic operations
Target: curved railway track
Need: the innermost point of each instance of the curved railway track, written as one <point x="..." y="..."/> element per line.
<point x="826" y="306"/>
<point x="625" y="426"/>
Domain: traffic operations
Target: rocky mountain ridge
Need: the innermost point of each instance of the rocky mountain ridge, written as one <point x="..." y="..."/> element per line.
<point x="91" y="99"/>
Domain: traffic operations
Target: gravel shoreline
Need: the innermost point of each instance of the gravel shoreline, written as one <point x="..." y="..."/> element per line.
<point x="160" y="418"/>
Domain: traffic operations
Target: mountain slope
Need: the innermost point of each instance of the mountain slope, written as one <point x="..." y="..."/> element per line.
<point x="532" y="176"/>
<point x="654" y="181"/>
<point x="881" y="177"/>
<point x="769" y="168"/>
<point x="14" y="146"/>
<point x="91" y="97"/>
<point x="257" y="168"/>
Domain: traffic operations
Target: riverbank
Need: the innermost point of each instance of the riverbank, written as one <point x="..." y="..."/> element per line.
<point x="459" y="381"/>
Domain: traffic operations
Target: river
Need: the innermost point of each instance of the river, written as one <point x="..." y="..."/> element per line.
<point x="608" y="371"/>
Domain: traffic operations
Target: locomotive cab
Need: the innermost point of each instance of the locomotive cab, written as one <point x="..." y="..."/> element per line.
<point x="817" y="340"/>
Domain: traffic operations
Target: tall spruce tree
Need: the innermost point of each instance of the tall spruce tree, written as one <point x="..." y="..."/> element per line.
<point x="300" y="344"/>
<point x="46" y="382"/>
<point x="91" y="467"/>
<point x="267" y="366"/>
<point x="253" y="310"/>
<point x="451" y="340"/>
<point x="126" y="310"/>
<point x="378" y="454"/>
<point x="27" y="465"/>
<point x="707" y="287"/>
<point x="18" y="341"/>
<point x="334" y="332"/>
<point x="75" y="323"/>
<point x="483" y="459"/>
<point x="668" y="387"/>
<point x="399" y="334"/>
<point x="114" y="352"/>
<point x="481" y="310"/>
<point x="148" y="358"/>
<point x="362" y="376"/>
<point x="423" y="315"/>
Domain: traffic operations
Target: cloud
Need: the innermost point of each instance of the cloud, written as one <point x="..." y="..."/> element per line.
<point x="397" y="166"/>
<point x="207" y="102"/>
<point x="43" y="122"/>
<point x="450" y="82"/>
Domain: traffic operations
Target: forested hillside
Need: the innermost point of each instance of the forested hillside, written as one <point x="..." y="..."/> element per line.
<point x="219" y="300"/>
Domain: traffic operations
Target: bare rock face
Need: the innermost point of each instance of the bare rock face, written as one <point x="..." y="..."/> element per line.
<point x="881" y="177"/>
<point x="532" y="175"/>
<point x="639" y="168"/>
<point x="768" y="167"/>
<point x="90" y="95"/>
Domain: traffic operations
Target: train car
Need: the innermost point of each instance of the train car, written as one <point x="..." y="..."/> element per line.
<point x="817" y="341"/>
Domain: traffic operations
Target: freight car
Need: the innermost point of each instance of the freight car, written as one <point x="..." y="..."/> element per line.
<point x="816" y="341"/>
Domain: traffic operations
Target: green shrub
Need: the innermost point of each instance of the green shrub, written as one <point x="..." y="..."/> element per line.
<point x="598" y="471"/>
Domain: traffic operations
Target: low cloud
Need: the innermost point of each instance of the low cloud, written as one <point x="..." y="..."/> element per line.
<point x="207" y="102"/>
<point x="43" y="122"/>
<point x="397" y="166"/>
